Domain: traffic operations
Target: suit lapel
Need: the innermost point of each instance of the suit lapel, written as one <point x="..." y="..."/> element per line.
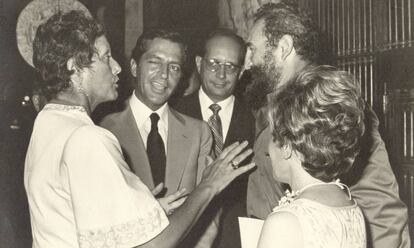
<point x="261" y="120"/>
<point x="194" y="106"/>
<point x="177" y="145"/>
<point x="233" y="131"/>
<point x="136" y="149"/>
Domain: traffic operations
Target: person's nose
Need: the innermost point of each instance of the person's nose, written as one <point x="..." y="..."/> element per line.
<point x="164" y="71"/>
<point x="116" y="68"/>
<point x="248" y="60"/>
<point x="221" y="73"/>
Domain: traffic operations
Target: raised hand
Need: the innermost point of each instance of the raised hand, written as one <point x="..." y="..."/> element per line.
<point x="224" y="169"/>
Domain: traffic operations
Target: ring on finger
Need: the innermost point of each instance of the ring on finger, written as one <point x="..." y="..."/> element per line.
<point x="234" y="165"/>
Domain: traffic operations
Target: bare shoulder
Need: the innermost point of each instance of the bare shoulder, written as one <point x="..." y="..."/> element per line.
<point x="283" y="219"/>
<point x="281" y="229"/>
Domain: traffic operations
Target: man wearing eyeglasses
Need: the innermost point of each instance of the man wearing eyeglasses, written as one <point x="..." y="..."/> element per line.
<point x="219" y="67"/>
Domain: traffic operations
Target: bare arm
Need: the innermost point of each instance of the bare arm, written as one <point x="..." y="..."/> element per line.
<point x="215" y="178"/>
<point x="281" y="229"/>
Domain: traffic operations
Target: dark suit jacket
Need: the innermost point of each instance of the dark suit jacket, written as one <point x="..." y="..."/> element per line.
<point x="233" y="198"/>
<point x="189" y="142"/>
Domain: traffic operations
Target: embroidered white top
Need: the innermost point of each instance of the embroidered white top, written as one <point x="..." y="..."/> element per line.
<point x="325" y="226"/>
<point x="328" y="227"/>
<point x="81" y="192"/>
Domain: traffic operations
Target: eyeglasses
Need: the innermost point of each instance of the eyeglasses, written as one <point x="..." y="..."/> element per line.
<point x="214" y="65"/>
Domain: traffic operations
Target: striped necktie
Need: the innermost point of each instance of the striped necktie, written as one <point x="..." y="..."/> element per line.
<point x="215" y="125"/>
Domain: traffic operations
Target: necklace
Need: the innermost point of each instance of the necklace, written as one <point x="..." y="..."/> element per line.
<point x="291" y="195"/>
<point x="68" y="105"/>
<point x="63" y="107"/>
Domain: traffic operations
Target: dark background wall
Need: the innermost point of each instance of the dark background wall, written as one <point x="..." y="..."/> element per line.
<point x="15" y="126"/>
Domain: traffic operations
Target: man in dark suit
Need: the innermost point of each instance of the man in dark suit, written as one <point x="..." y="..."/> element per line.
<point x="219" y="68"/>
<point x="160" y="144"/>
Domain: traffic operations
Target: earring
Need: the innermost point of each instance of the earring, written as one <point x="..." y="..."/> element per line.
<point x="79" y="88"/>
<point x="77" y="84"/>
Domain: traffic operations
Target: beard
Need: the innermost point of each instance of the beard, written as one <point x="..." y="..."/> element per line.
<point x="264" y="80"/>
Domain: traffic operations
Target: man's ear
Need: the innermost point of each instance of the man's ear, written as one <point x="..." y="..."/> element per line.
<point x="242" y="70"/>
<point x="286" y="45"/>
<point x="71" y="65"/>
<point x="133" y="66"/>
<point x="198" y="60"/>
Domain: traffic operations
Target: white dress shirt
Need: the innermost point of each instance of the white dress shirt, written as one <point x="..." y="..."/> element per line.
<point x="225" y="113"/>
<point x="142" y="117"/>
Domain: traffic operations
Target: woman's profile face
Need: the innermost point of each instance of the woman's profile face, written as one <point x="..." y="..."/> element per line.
<point x="99" y="80"/>
<point x="279" y="164"/>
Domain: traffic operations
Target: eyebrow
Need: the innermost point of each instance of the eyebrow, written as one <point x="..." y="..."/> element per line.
<point x="225" y="61"/>
<point x="153" y="56"/>
<point x="156" y="56"/>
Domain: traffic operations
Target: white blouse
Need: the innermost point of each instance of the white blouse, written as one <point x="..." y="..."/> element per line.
<point x="327" y="227"/>
<point x="81" y="192"/>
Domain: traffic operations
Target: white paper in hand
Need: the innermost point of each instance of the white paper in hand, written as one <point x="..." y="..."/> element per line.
<point x="250" y="231"/>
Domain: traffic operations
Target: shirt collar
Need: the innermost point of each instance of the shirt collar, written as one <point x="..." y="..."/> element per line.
<point x="142" y="112"/>
<point x="205" y="100"/>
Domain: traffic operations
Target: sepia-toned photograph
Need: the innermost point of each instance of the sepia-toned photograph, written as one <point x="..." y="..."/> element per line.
<point x="206" y="123"/>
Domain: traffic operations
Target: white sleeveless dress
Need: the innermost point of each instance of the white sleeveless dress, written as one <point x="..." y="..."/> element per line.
<point x="328" y="227"/>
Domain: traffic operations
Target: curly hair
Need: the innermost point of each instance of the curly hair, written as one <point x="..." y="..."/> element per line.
<point x="62" y="37"/>
<point x="320" y="114"/>
<point x="284" y="18"/>
<point x="148" y="35"/>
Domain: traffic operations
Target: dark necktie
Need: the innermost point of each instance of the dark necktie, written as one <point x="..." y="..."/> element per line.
<point x="156" y="151"/>
<point x="215" y="125"/>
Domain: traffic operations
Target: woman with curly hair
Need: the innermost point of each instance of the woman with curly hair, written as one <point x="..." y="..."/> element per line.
<point x="316" y="121"/>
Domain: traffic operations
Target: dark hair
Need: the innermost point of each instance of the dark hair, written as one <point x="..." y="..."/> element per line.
<point x="223" y="32"/>
<point x="281" y="19"/>
<point x="320" y="114"/>
<point x="63" y="36"/>
<point x="148" y="35"/>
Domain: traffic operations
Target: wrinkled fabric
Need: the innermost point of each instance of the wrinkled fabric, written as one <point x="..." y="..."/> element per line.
<point x="327" y="227"/>
<point x="81" y="192"/>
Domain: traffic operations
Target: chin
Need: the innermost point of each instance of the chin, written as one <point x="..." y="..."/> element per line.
<point x="158" y="100"/>
<point x="113" y="97"/>
<point x="278" y="178"/>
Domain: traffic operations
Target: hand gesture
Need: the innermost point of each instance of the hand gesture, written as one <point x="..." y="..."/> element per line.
<point x="171" y="202"/>
<point x="225" y="168"/>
